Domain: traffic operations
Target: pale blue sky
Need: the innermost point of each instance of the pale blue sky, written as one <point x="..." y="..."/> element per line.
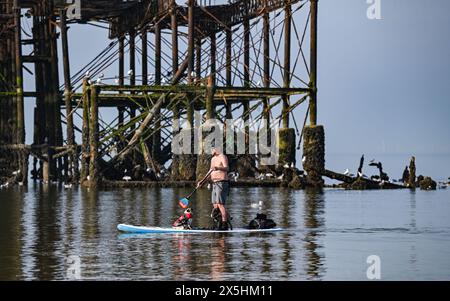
<point x="383" y="84"/>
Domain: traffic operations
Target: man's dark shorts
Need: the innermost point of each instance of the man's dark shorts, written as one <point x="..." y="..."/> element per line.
<point x="220" y="191"/>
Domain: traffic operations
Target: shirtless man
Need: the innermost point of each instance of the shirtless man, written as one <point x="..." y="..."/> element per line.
<point x="221" y="188"/>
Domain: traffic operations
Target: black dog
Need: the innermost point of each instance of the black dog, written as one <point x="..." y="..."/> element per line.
<point x="218" y="224"/>
<point x="261" y="222"/>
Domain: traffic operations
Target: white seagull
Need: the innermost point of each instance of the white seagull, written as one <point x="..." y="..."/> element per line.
<point x="347" y="172"/>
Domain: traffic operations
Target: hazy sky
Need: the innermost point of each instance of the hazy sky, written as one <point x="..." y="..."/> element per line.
<point x="383" y="84"/>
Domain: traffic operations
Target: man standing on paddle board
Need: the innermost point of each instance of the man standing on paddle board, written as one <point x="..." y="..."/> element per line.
<point x="221" y="186"/>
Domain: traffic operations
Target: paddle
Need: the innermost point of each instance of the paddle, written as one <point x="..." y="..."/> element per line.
<point x="185" y="201"/>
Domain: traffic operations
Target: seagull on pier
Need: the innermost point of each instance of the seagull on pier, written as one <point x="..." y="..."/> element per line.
<point x="88" y="74"/>
<point x="67" y="186"/>
<point x="150" y="78"/>
<point x="130" y="72"/>
<point x="98" y="81"/>
<point x="126" y="178"/>
<point x="286" y="166"/>
<point x="269" y="175"/>
<point x="16" y="172"/>
<point x="346" y="172"/>
<point x="193" y="74"/>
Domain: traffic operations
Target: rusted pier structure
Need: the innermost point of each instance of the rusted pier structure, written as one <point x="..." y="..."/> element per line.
<point x="166" y="63"/>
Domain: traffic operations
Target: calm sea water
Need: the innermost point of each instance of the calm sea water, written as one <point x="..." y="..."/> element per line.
<point x="329" y="235"/>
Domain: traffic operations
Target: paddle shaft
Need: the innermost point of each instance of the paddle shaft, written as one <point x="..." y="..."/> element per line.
<point x="201" y="184"/>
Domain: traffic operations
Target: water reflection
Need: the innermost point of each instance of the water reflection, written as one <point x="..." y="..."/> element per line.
<point x="42" y="226"/>
<point x="56" y="223"/>
<point x="314" y="222"/>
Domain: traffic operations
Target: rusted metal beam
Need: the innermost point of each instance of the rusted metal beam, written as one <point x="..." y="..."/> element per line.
<point x="313" y="64"/>
<point x="121" y="116"/>
<point x="144" y="57"/>
<point x="191" y="38"/>
<point x="174" y="27"/>
<point x="72" y="160"/>
<point x="287" y="61"/>
<point x="228" y="50"/>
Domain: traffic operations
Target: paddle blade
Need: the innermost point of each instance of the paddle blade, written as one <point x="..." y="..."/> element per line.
<point x="184" y="203"/>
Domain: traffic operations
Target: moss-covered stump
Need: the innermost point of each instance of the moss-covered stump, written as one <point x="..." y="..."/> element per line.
<point x="246" y="166"/>
<point x="184" y="169"/>
<point x="412" y="173"/>
<point x="9" y="165"/>
<point x="174" y="176"/>
<point x="286" y="146"/>
<point x="427" y="184"/>
<point x="359" y="184"/>
<point x="297" y="182"/>
<point x="314" y="154"/>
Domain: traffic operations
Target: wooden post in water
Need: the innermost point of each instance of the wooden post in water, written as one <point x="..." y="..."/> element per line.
<point x="175" y="174"/>
<point x="266" y="72"/>
<point x="55" y="97"/>
<point x="85" y="133"/>
<point x="73" y="157"/>
<point x="93" y="137"/>
<point x="20" y="139"/>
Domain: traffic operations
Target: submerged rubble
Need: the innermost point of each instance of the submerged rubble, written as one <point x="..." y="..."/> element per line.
<point x="427" y="184"/>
